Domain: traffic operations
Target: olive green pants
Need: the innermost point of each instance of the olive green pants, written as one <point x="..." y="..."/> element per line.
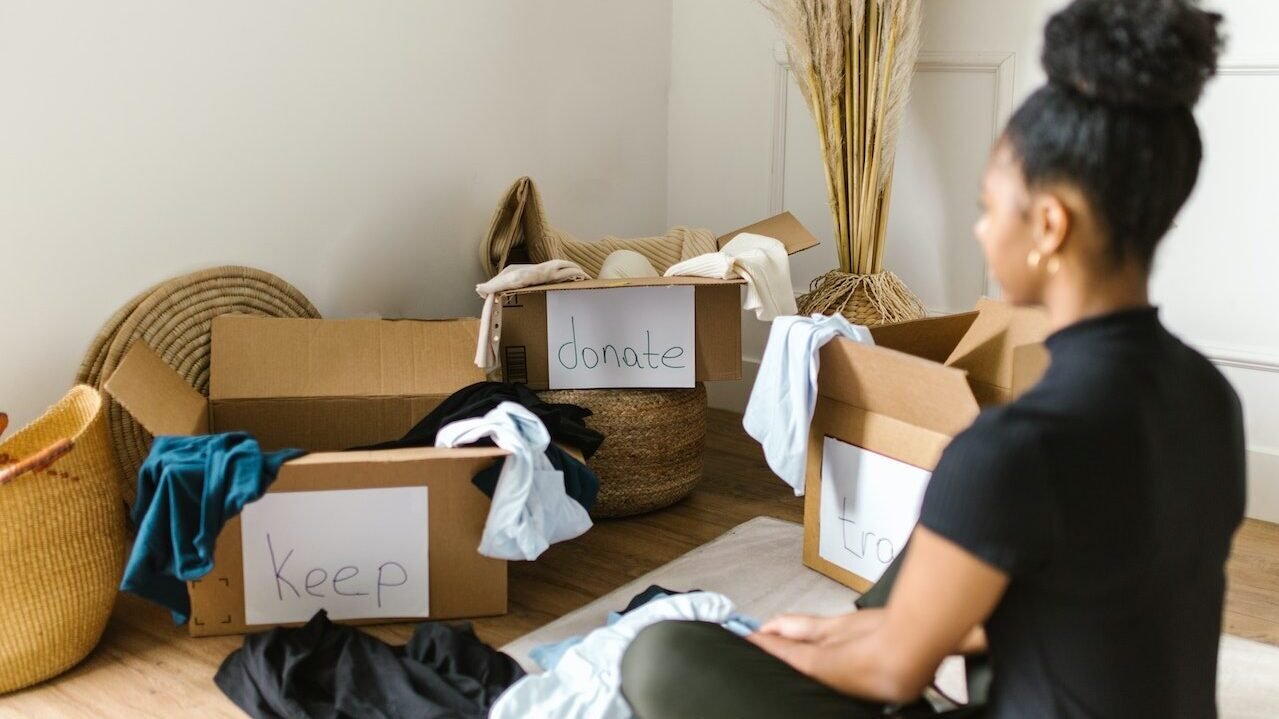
<point x="674" y="670"/>
<point x="703" y="671"/>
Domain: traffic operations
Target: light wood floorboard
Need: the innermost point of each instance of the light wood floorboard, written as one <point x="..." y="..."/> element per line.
<point x="146" y="667"/>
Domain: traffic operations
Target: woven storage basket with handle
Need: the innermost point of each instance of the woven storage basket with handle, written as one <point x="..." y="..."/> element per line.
<point x="62" y="534"/>
<point x="653" y="446"/>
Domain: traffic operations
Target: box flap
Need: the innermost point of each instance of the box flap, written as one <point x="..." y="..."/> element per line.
<point x="406" y="454"/>
<point x="261" y="357"/>
<point x="626" y="282"/>
<point x="784" y="228"/>
<point x="322" y="423"/>
<point x="157" y="396"/>
<point x="986" y="352"/>
<point x="932" y="338"/>
<point x="894" y="384"/>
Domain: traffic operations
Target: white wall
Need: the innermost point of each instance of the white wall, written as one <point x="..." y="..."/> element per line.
<point x="356" y="149"/>
<point x="742" y="145"/>
<point x="1215" y="275"/>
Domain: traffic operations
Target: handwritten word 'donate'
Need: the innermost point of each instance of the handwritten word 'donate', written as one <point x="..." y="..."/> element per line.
<point x="573" y="354"/>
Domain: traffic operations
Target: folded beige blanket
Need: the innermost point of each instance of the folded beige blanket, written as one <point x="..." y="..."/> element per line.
<point x="519" y="229"/>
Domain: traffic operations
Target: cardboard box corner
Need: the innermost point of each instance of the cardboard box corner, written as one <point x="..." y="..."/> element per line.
<point x="918" y="386"/>
<point x="162" y="401"/>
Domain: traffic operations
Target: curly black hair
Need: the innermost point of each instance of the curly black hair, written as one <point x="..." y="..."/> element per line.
<point x="1115" y="118"/>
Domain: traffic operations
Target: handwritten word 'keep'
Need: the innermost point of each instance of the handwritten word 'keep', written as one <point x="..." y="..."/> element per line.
<point x="344" y="581"/>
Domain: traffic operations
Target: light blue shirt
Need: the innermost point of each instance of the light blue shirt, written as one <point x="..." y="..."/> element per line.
<point x="781" y="404"/>
<point x="530" y="509"/>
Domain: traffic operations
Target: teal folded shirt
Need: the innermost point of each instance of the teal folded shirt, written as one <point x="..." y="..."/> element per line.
<point x="187" y="489"/>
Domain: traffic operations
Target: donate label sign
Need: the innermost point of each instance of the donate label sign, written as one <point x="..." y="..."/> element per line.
<point x="358" y="553"/>
<point x="622" y="337"/>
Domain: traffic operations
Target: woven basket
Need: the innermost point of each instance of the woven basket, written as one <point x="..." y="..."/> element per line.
<point x="62" y="543"/>
<point x="175" y="318"/>
<point x="652" y="452"/>
<point x="868" y="300"/>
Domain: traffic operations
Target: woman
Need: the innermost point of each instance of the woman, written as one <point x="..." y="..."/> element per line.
<point x="1079" y="534"/>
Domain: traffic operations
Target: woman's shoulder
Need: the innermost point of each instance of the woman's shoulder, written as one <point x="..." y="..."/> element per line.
<point x="1004" y="441"/>
<point x="1025" y="419"/>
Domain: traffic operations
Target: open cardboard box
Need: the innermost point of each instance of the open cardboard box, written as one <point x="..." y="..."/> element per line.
<point x="717" y="323"/>
<point x="904" y="398"/>
<point x="326" y="385"/>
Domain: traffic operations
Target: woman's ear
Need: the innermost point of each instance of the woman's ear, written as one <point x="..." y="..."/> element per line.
<point x="1051" y="221"/>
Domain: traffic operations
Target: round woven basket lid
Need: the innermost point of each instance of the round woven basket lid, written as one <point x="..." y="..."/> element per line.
<point x="175" y="319"/>
<point x="91" y="366"/>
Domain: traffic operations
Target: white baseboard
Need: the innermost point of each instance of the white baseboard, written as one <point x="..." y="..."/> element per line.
<point x="1263" y="464"/>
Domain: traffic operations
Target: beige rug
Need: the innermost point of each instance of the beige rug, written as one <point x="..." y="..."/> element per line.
<point x="757" y="564"/>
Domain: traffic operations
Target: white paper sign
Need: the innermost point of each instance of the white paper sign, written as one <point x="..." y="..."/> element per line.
<point x="623" y="337"/>
<point x="869" y="506"/>
<point x="358" y="553"/>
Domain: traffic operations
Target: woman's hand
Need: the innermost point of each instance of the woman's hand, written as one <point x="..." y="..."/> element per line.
<point x="806" y="642"/>
<point x="824" y="630"/>
<point x="941" y="598"/>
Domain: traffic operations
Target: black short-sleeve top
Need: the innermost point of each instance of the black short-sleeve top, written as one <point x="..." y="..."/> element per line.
<point x="1109" y="495"/>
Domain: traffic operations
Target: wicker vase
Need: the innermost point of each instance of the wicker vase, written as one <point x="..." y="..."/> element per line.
<point x="62" y="537"/>
<point x="868" y="300"/>
<point x="653" y="445"/>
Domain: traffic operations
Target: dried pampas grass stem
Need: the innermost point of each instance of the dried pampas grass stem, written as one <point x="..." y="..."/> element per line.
<point x="853" y="61"/>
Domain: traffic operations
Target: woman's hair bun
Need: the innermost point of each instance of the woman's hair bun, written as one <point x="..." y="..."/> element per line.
<point x="1136" y="53"/>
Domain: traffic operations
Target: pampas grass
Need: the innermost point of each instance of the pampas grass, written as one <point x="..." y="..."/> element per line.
<point x="853" y="61"/>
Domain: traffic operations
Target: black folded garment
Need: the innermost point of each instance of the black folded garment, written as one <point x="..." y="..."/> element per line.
<point x="329" y="671"/>
<point x="564" y="422"/>
<point x="654" y="591"/>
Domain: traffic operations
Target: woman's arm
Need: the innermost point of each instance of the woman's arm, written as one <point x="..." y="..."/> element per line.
<point x="891" y="655"/>
<point x="812" y="628"/>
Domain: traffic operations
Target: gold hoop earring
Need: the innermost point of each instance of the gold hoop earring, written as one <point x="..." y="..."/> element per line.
<point x="1035" y="258"/>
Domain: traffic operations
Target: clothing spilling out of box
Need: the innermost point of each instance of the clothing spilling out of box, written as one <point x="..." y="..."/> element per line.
<point x="309" y="488"/>
<point x="330" y="477"/>
<point x="552" y="326"/>
<point x="392" y="530"/>
<point x="762" y="263"/>
<point x="855" y="419"/>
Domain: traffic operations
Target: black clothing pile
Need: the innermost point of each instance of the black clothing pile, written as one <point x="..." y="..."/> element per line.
<point x="564" y="422"/>
<point x="329" y="671"/>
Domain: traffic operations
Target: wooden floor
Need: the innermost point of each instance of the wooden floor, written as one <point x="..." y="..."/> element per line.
<point x="146" y="667"/>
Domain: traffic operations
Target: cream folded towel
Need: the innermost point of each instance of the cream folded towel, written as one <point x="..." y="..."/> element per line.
<point x="626" y="265"/>
<point x="514" y="277"/>
<point x="761" y="261"/>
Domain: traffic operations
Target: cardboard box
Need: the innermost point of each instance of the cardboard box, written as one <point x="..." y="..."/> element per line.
<point x="887" y="411"/>
<point x="717" y="323"/>
<point x="329" y="385"/>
